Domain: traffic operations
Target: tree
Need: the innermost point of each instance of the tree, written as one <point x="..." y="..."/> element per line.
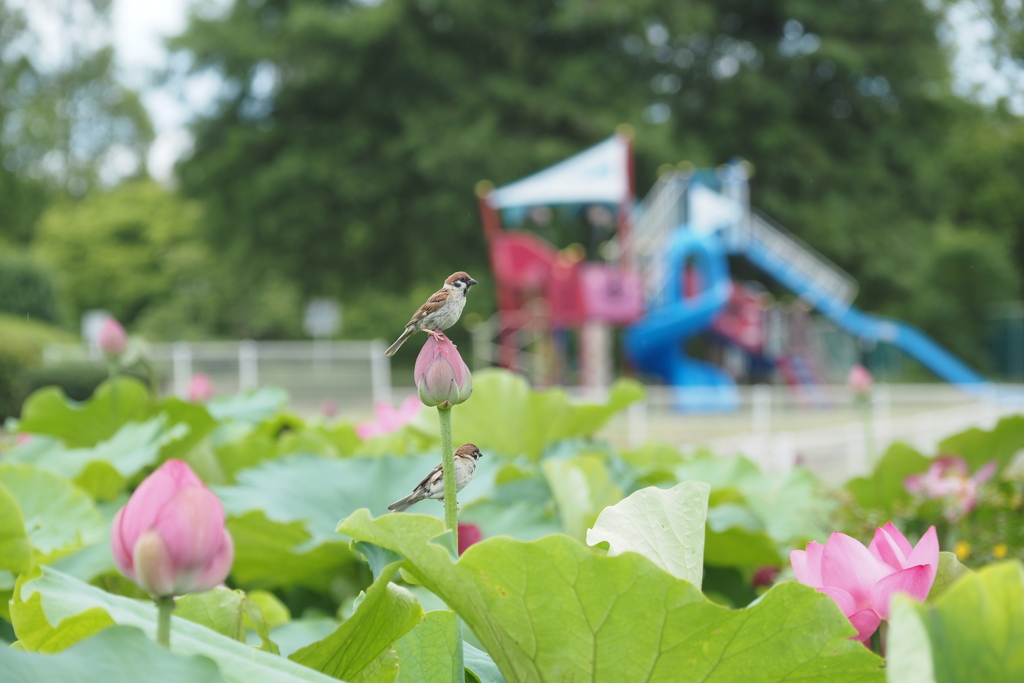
<point x="349" y="139"/>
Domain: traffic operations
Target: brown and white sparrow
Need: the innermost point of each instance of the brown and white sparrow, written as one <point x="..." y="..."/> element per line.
<point x="441" y="310"/>
<point x="432" y="485"/>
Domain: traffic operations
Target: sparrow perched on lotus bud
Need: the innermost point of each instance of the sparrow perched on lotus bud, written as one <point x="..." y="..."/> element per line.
<point x="441" y="310"/>
<point x="432" y="485"/>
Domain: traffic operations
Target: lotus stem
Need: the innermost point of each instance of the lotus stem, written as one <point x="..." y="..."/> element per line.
<point x="451" y="503"/>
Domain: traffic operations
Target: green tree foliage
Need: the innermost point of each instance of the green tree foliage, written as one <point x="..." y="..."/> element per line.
<point x="135" y="252"/>
<point x="26" y="289"/>
<point x="346" y="151"/>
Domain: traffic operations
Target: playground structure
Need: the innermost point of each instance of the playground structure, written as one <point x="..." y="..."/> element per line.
<point x="664" y="276"/>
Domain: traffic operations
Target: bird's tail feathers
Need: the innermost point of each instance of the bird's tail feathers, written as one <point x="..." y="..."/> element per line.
<point x="405" y="503"/>
<point x="393" y="349"/>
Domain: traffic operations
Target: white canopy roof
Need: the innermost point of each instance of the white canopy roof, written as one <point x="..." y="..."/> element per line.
<point x="597" y="175"/>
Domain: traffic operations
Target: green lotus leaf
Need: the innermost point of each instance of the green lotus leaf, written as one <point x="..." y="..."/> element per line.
<point x="972" y="632"/>
<point x="58" y="516"/>
<point x="664" y="525"/>
<point x="507" y="416"/>
<point x="387" y="613"/>
<point x="119" y="654"/>
<point x="51" y="611"/>
<point x="432" y="651"/>
<point x="85" y="424"/>
<point x="551" y="610"/>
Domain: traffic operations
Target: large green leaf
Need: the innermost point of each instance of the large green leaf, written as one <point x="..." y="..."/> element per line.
<point x="272" y="554"/>
<point x="973" y="632"/>
<point x="432" y="651"/>
<point x="52" y="611"/>
<point x="582" y="487"/>
<point x="480" y="664"/>
<point x="103" y="470"/>
<point x="221" y="610"/>
<point x="550" y="610"/>
<point x="884" y="488"/>
<point x="664" y="525"/>
<point x="283" y="512"/>
<point x="249" y="406"/>
<point x="15" y="547"/>
<point x="949" y="572"/>
<point x="979" y="447"/>
<point x="119" y="654"/>
<point x="81" y="425"/>
<point x="507" y="416"/>
<point x="193" y="415"/>
<point x="387" y="613"/>
<point x="57" y="515"/>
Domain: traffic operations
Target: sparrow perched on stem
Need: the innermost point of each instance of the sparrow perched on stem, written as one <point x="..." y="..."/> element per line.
<point x="441" y="310"/>
<point x="432" y="485"/>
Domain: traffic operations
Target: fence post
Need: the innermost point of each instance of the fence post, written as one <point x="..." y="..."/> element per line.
<point x="761" y="410"/>
<point x="636" y="423"/>
<point x="380" y="372"/>
<point x="248" y="365"/>
<point x="181" y="368"/>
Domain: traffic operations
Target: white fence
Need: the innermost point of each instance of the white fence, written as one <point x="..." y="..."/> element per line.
<point x="777" y="429"/>
<point x="352" y="375"/>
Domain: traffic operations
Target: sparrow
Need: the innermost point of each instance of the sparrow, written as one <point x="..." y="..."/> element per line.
<point x="432" y="485"/>
<point x="441" y="310"/>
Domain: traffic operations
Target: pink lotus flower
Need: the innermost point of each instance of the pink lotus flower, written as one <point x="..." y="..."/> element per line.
<point x="441" y="376"/>
<point x="200" y="388"/>
<point x="469" y="534"/>
<point x="170" y="537"/>
<point x="949" y="479"/>
<point x="863" y="580"/>
<point x="111" y="338"/>
<point x="389" y="419"/>
<point x="859" y="380"/>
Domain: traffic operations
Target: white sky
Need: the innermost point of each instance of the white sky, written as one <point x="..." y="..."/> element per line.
<point x="139" y="27"/>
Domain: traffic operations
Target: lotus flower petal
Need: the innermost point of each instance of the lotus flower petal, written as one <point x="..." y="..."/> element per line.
<point x="849" y="565"/>
<point x="915" y="582"/>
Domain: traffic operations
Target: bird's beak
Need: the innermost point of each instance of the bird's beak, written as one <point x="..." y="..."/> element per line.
<point x="470" y="282"/>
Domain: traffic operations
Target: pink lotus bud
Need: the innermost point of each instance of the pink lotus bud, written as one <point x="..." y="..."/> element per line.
<point x="468" y="535"/>
<point x="200" y="389"/>
<point x="329" y="408"/>
<point x="859" y="379"/>
<point x="111" y="338"/>
<point x="863" y="580"/>
<point x="170" y="537"/>
<point x="764" y="576"/>
<point x="441" y="376"/>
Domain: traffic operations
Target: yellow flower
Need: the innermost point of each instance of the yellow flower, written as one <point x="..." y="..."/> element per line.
<point x="962" y="550"/>
<point x="999" y="552"/>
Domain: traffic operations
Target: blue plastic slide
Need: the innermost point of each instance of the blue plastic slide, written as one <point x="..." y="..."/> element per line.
<point x="906" y="337"/>
<point x="655" y="343"/>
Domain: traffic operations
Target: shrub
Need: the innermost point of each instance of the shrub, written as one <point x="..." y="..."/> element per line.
<point x="21" y="347"/>
<point x="27" y="289"/>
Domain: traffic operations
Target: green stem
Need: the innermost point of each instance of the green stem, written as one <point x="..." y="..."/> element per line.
<point x="112" y="373"/>
<point x="451" y="503"/>
<point x="869" y="437"/>
<point x="164" y="607"/>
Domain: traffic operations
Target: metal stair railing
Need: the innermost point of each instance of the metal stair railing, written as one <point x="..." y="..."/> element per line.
<point x="653" y="220"/>
<point x="818" y="273"/>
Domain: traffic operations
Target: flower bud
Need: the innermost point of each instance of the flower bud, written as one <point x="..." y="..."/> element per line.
<point x="469" y="534"/>
<point x="200" y="388"/>
<point x="170" y="537"/>
<point x="441" y="376"/>
<point x="859" y="379"/>
<point x="111" y="338"/>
